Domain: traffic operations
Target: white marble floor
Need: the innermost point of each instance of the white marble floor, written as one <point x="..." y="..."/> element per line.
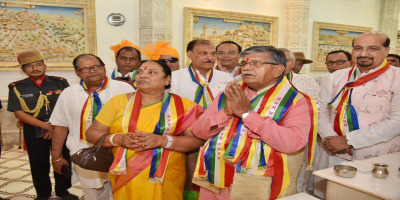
<point x="15" y="177"/>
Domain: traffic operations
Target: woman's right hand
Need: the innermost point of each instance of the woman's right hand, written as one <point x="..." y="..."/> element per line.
<point x="129" y="140"/>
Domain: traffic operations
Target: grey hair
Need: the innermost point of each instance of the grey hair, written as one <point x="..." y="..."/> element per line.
<point x="278" y="56"/>
<point x="291" y="54"/>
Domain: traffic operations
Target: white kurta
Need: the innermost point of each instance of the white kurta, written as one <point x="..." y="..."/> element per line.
<point x="118" y="74"/>
<point x="67" y="113"/>
<point x="377" y="104"/>
<point x="306" y="84"/>
<point x="182" y="84"/>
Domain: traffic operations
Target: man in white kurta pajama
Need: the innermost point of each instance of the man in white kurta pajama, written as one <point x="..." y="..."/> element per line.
<point x="376" y="102"/>
<point x="67" y="116"/>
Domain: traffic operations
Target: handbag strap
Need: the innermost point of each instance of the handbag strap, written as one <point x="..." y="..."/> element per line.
<point x="101" y="139"/>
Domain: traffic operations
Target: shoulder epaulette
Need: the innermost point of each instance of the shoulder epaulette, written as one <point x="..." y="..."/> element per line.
<point x="58" y="78"/>
<point x="12" y="84"/>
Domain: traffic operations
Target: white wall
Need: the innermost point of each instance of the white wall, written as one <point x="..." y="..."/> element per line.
<point x="351" y="12"/>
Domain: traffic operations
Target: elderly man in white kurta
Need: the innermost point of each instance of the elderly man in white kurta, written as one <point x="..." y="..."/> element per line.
<point x="364" y="120"/>
<point x="199" y="83"/>
<point x="308" y="85"/>
<point x="93" y="88"/>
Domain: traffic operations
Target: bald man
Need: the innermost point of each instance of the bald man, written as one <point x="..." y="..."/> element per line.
<point x="373" y="93"/>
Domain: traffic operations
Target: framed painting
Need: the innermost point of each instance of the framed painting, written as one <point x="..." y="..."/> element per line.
<point x="217" y="26"/>
<point x="58" y="29"/>
<point x="331" y="37"/>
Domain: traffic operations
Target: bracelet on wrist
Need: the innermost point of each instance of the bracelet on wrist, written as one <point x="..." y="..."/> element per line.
<point x="54" y="161"/>
<point x="111" y="139"/>
<point x="170" y="140"/>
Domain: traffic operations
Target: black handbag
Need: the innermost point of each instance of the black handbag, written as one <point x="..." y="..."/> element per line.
<point x="95" y="158"/>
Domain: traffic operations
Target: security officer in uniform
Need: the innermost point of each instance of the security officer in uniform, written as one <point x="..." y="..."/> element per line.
<point x="32" y="100"/>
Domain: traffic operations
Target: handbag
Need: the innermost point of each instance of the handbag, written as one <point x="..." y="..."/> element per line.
<point x="95" y="158"/>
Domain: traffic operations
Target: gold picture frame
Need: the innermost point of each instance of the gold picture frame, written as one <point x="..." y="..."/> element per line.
<point x="58" y="29"/>
<point x="330" y="37"/>
<point x="243" y="28"/>
<point x="398" y="43"/>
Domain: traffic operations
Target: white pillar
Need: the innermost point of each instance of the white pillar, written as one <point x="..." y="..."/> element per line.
<point x="389" y="21"/>
<point x="155" y="21"/>
<point x="297" y="17"/>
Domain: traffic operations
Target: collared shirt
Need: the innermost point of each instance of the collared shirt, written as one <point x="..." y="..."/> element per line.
<point x="183" y="85"/>
<point x="290" y="136"/>
<point x="118" y="74"/>
<point x="67" y="113"/>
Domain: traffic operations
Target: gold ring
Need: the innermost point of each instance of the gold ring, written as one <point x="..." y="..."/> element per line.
<point x="347" y="150"/>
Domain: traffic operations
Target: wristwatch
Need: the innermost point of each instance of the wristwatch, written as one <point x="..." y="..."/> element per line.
<point x="244" y="115"/>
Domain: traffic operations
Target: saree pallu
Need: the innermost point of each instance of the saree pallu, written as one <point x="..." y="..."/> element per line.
<point x="135" y="184"/>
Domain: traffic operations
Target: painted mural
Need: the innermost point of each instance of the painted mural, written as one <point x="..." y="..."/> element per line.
<point x="245" y="33"/>
<point x="58" y="33"/>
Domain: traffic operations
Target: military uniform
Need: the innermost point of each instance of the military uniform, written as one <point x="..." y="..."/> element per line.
<point x="38" y="147"/>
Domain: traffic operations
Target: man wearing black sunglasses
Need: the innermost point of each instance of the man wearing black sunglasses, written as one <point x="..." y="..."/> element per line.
<point x="162" y="52"/>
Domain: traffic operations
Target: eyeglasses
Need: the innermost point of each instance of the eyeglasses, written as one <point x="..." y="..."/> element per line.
<point x="87" y="69"/>
<point x="255" y="63"/>
<point x="338" y="62"/>
<point x="171" y="60"/>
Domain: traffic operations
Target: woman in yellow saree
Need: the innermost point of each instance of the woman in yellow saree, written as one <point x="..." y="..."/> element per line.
<point x="150" y="133"/>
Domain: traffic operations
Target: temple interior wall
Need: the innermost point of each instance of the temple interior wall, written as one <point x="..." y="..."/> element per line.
<point x="351" y="12"/>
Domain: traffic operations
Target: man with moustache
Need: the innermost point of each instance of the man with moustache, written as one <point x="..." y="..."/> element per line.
<point x="228" y="55"/>
<point x="300" y="62"/>
<point x="393" y="59"/>
<point x="199" y="83"/>
<point x="32" y="100"/>
<point x="128" y="59"/>
<point x="360" y="106"/>
<point x="250" y="131"/>
<point x="77" y="107"/>
<point x="162" y="52"/>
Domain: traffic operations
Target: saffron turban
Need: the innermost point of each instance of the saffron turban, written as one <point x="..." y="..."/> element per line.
<point x="124" y="43"/>
<point x="153" y="51"/>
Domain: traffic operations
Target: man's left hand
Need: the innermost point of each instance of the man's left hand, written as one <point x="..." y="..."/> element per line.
<point x="237" y="99"/>
<point x="336" y="144"/>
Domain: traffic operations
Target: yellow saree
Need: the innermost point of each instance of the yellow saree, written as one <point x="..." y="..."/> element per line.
<point x="135" y="183"/>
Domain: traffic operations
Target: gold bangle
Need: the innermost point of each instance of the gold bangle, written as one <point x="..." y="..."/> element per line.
<point x="54" y="161"/>
<point x="111" y="139"/>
